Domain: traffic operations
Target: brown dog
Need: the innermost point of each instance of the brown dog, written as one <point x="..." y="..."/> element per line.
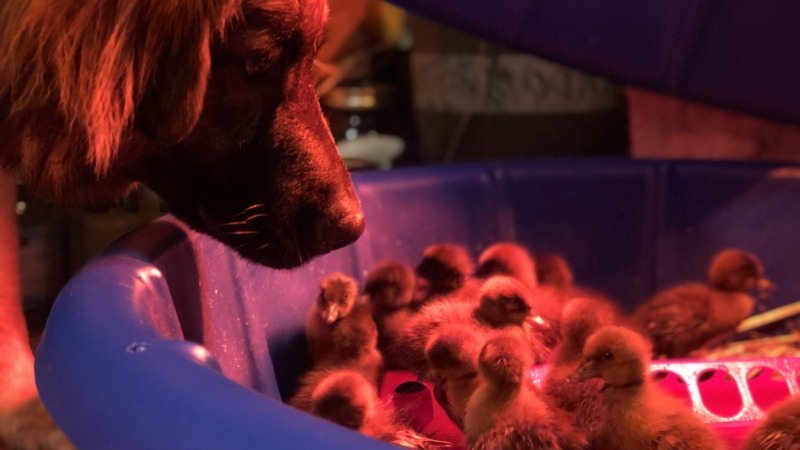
<point x="211" y="103"/>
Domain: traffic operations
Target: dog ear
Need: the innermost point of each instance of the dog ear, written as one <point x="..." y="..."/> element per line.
<point x="179" y="51"/>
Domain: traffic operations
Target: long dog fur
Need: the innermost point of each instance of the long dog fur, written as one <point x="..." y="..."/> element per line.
<point x="72" y="81"/>
<point x="208" y="102"/>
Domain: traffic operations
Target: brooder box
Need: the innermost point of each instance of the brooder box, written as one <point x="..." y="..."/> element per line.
<point x="170" y="340"/>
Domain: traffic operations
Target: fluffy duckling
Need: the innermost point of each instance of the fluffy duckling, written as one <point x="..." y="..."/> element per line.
<point x="506" y="302"/>
<point x="688" y="316"/>
<point x="505" y="410"/>
<point x="445" y="268"/>
<point x="639" y="414"/>
<point x="555" y="275"/>
<point x="389" y="286"/>
<point x="500" y="302"/>
<point x="509" y="259"/>
<point x="337" y="297"/>
<point x="554" y="272"/>
<point x="408" y="350"/>
<point x="503" y="301"/>
<point x="346" y="398"/>
<point x="389" y="289"/>
<point x="582" y="401"/>
<point x="452" y="355"/>
<point x="581" y="317"/>
<point x="354" y="343"/>
<point x="780" y="430"/>
<point x="353" y="348"/>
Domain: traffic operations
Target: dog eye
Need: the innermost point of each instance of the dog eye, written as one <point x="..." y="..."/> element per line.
<point x="608" y="355"/>
<point x="257" y="65"/>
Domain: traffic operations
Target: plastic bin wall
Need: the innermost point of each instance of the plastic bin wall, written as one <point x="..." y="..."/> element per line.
<point x="170" y="340"/>
<point x="736" y="54"/>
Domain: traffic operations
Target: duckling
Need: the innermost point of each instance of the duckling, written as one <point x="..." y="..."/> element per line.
<point x="503" y="301"/>
<point x="346" y="398"/>
<point x="639" y="414"/>
<point x="337" y="297"/>
<point x="581" y="317"/>
<point x="445" y="293"/>
<point x="555" y="275"/>
<point x="499" y="302"/>
<point x="688" y="316"/>
<point x="445" y="269"/>
<point x="554" y="272"/>
<point x="353" y="348"/>
<point x="509" y="259"/>
<point x="407" y="351"/>
<point x="389" y="289"/>
<point x="389" y="286"/>
<point x="582" y="401"/>
<point x="505" y="411"/>
<point x="506" y="302"/>
<point x="779" y="430"/>
<point x="354" y="343"/>
<point x="452" y="355"/>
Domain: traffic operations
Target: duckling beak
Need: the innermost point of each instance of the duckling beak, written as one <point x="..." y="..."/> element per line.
<point x="586" y="371"/>
<point x="330" y="314"/>
<point x="764" y="287"/>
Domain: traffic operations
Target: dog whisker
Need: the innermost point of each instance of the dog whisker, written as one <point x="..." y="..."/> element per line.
<point x="240" y="247"/>
<point x="256" y="216"/>
<point x="240" y="223"/>
<point x="252" y="207"/>
<point x="241" y="232"/>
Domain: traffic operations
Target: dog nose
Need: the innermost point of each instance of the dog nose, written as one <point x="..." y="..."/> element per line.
<point x="345" y="231"/>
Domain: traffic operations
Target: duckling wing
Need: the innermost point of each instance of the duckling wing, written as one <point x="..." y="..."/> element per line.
<point x="686" y="432"/>
<point x="676" y="320"/>
<point x="526" y="435"/>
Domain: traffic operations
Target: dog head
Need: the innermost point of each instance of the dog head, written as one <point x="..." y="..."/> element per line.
<point x="210" y="103"/>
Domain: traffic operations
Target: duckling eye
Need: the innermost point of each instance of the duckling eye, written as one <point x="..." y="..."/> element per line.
<point x="608" y="355"/>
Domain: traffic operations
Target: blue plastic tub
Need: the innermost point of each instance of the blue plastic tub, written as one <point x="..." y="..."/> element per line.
<point x="170" y="340"/>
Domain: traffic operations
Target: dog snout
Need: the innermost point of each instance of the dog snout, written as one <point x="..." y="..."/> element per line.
<point x="342" y="221"/>
<point x="345" y="231"/>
